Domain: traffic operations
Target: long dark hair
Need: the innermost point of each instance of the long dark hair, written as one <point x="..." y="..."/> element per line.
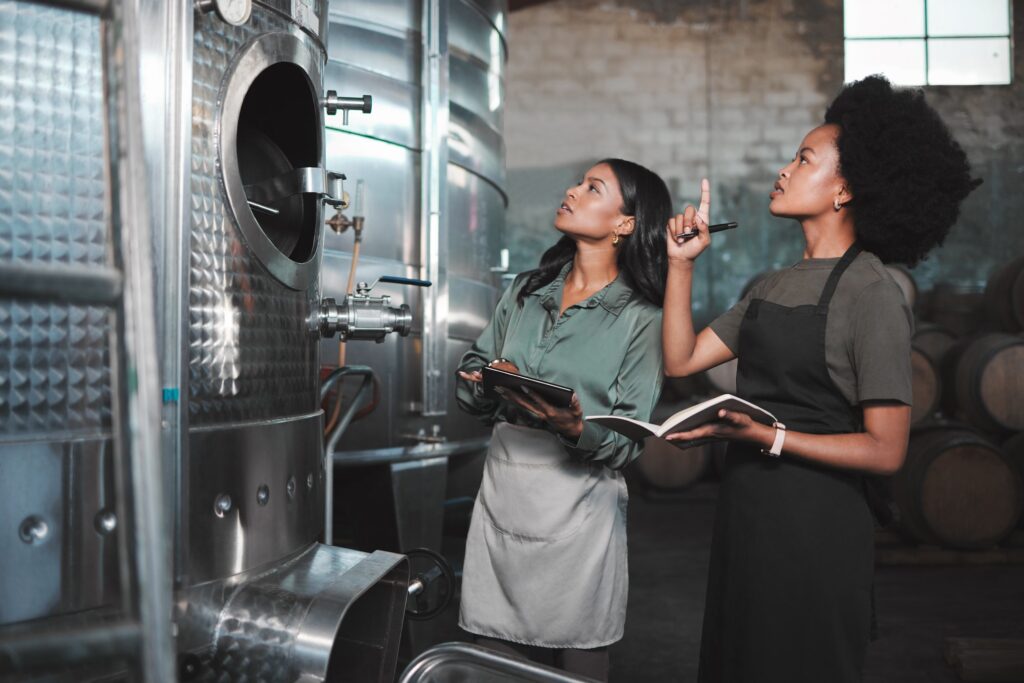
<point x="641" y="256"/>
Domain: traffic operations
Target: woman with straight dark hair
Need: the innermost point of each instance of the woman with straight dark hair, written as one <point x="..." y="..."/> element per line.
<point x="545" y="572"/>
<point x="824" y="346"/>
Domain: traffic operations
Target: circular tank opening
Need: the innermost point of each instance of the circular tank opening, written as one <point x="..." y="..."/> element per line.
<point x="278" y="133"/>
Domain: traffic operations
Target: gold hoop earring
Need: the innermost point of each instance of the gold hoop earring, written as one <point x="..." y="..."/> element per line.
<point x="615" y="240"/>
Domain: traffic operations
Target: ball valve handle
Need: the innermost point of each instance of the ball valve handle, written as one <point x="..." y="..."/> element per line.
<point x="361" y="316"/>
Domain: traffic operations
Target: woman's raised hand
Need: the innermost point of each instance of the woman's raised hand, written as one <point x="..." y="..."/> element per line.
<point x="686" y="250"/>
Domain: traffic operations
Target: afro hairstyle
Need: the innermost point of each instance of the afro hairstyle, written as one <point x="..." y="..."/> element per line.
<point x="905" y="171"/>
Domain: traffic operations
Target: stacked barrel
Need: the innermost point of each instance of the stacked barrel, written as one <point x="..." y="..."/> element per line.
<point x="960" y="486"/>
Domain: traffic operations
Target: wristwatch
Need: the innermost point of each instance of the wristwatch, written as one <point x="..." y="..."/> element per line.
<point x="780" y="438"/>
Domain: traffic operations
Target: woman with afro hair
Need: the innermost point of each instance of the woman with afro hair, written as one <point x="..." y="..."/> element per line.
<point x="824" y="346"/>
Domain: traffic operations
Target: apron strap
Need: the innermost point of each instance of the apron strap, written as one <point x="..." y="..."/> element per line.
<point x="837" y="272"/>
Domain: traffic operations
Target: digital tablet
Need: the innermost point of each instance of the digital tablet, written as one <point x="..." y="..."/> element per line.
<point x="556" y="395"/>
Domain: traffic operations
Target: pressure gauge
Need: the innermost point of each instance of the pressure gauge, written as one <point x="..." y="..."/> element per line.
<point x="234" y="12"/>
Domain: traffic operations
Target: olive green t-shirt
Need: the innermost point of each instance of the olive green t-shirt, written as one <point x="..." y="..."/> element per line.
<point x="867" y="336"/>
<point x="607" y="348"/>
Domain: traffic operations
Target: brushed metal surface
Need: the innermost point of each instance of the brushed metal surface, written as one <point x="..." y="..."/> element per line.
<point x="496" y="12"/>
<point x="473" y="33"/>
<point x="236" y="461"/>
<point x="390" y="203"/>
<point x="476" y="146"/>
<point x="393" y="14"/>
<point x="69" y="486"/>
<point x="477" y="216"/>
<point x="394" y="53"/>
<point x="251" y="352"/>
<point x="396" y="111"/>
<point x="323" y="613"/>
<point x="479" y="90"/>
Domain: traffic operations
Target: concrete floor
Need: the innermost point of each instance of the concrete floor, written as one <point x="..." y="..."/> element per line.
<point x="918" y="606"/>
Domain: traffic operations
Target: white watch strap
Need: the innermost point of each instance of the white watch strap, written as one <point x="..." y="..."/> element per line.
<point x="780" y="438"/>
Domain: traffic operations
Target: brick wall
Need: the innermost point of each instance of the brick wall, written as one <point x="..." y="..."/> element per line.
<point x="726" y="89"/>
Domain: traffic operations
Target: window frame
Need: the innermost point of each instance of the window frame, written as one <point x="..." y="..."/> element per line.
<point x="926" y="38"/>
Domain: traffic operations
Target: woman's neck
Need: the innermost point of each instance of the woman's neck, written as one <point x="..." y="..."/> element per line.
<point x="828" y="236"/>
<point x="592" y="268"/>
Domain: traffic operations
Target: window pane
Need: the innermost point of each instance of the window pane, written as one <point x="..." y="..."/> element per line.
<point x="902" y="61"/>
<point x="974" y="18"/>
<point x="883" y="18"/>
<point x="969" y="61"/>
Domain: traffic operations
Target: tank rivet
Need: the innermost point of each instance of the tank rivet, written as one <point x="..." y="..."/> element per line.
<point x="263" y="494"/>
<point x="309" y="481"/>
<point x="222" y="504"/>
<point x="105" y="522"/>
<point x="291" y="488"/>
<point x="33" y="530"/>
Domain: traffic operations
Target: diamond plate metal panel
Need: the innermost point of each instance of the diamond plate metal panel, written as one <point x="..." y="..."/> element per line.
<point x="54" y="369"/>
<point x="52" y="183"/>
<point x="251" y="354"/>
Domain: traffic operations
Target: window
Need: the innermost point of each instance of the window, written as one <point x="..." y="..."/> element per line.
<point x="929" y="42"/>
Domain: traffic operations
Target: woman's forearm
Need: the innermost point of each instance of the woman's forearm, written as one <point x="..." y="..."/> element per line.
<point x="863" y="452"/>
<point x="678" y="339"/>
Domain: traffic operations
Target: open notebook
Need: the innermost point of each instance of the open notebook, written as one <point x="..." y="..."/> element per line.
<point x="684" y="420"/>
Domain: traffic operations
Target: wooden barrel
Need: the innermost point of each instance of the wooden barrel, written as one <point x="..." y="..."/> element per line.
<point x="1004" y="296"/>
<point x="959" y="309"/>
<point x="670" y="468"/>
<point x="956" y="489"/>
<point x="1013" y="449"/>
<point x="722" y="378"/>
<point x="927" y="386"/>
<point x="990" y="383"/>
<point x="906" y="283"/>
<point x="933" y="340"/>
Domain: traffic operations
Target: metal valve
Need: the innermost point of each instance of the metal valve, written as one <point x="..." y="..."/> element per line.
<point x="332" y="103"/>
<point x="361" y="316"/>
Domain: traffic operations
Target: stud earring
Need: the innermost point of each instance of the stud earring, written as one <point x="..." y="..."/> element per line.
<point x="615" y="240"/>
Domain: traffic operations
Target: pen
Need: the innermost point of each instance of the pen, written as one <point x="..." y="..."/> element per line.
<point x="717" y="227"/>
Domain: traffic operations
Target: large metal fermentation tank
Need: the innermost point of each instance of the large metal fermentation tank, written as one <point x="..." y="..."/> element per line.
<point x="427" y="170"/>
<point x="205" y="121"/>
<point x="259" y="598"/>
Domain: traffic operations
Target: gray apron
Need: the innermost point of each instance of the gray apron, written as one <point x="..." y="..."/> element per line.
<point x="546" y="552"/>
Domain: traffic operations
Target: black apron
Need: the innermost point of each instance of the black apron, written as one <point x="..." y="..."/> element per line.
<point x="789" y="589"/>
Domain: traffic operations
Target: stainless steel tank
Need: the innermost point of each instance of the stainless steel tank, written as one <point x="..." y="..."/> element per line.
<point x="430" y="163"/>
<point x="227" y="162"/>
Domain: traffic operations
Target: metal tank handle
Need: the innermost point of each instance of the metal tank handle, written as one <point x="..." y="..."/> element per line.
<point x="332" y="103"/>
<point x="440" y="573"/>
<point x="304" y="180"/>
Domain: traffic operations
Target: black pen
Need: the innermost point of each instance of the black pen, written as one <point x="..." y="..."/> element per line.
<point x="717" y="227"/>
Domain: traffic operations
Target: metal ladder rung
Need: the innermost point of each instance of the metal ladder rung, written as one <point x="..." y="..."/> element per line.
<point x="87" y="285"/>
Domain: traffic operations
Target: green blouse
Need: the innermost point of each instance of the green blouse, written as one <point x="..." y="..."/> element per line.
<point x="607" y="348"/>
